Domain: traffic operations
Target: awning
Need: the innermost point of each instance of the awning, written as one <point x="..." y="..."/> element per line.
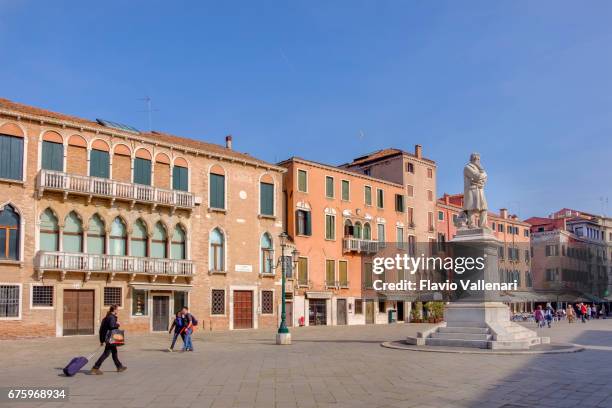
<point x="395" y="296"/>
<point x="318" y="295"/>
<point x="161" y="287"/>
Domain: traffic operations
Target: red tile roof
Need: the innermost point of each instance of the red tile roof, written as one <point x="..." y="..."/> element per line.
<point x="155" y="136"/>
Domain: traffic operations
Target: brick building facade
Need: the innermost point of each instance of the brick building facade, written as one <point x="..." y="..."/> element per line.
<point x="94" y="213"/>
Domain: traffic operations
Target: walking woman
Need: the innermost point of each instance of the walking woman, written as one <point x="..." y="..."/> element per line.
<point x="108" y="323"/>
<point x="571" y="313"/>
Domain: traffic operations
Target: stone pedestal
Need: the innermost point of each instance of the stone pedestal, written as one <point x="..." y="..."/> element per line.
<point x="283" y="338"/>
<point x="478" y="318"/>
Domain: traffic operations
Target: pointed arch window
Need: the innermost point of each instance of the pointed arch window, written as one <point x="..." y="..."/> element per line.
<point x="49" y="231"/>
<point x="159" y="243"/>
<point x="139" y="239"/>
<point x="9" y="233"/>
<point x="217" y="251"/>
<point x="267" y="254"/>
<point x="73" y="234"/>
<point x="179" y="247"/>
<point x="348" y="228"/>
<point x="357" y="230"/>
<point x="96" y="236"/>
<point x="118" y="237"/>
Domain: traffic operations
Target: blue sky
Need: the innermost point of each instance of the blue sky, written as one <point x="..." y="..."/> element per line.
<point x="525" y="83"/>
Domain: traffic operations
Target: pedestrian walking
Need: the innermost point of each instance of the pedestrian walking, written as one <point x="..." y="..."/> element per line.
<point x="571" y="313"/>
<point x="583" y="312"/>
<point x="548" y="314"/>
<point x="108" y="324"/>
<point x="188" y="326"/>
<point x="539" y="316"/>
<point x="177" y="326"/>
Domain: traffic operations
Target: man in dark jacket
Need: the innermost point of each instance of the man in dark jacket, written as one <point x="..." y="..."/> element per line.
<point x="108" y="323"/>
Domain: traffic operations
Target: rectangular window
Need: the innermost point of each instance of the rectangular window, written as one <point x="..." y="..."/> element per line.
<point x="409" y="190"/>
<point x="440" y="216"/>
<point x="218" y="302"/>
<point x="267" y="199"/>
<point x="267" y="302"/>
<point x="142" y="171"/>
<point x="330" y="272"/>
<point x="430" y="221"/>
<point x="381" y="233"/>
<point x="399" y="237"/>
<point x="11" y="157"/>
<point x="330" y="226"/>
<point x="399" y="203"/>
<point x="500" y="227"/>
<point x="368" y="195"/>
<point x="367" y="271"/>
<point x="302" y="181"/>
<point x="493" y="227"/>
<point x="358" y="306"/>
<point x="181" y="299"/>
<point x="411" y="245"/>
<point x="411" y="217"/>
<point x="179" y="178"/>
<point x="112" y="296"/>
<point x="526" y="232"/>
<point x="343" y="273"/>
<point x="303" y="222"/>
<point x="99" y="165"/>
<point x="140" y="302"/>
<point x="329" y="187"/>
<point x="410" y="167"/>
<point x="42" y="296"/>
<point x="380" y="198"/>
<point x="381" y="306"/>
<point x="217" y="191"/>
<point x="429" y="195"/>
<point x="10" y="297"/>
<point x="303" y="271"/>
<point x="429" y="173"/>
<point x="346" y="190"/>
<point x="52" y="156"/>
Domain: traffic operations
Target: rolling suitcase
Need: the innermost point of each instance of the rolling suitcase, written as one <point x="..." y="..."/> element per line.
<point x="77" y="363"/>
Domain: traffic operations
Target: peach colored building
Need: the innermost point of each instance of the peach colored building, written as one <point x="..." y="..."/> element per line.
<point x="94" y="213"/>
<point x="514" y="254"/>
<point x="338" y="217"/>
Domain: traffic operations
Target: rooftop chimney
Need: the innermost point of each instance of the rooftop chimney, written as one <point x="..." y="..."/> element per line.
<point x="228" y="141"/>
<point x="418" y="151"/>
<point x="503" y="213"/>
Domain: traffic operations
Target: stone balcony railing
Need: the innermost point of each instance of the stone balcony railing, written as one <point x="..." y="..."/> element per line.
<point x="360" y="245"/>
<point x="112" y="264"/>
<point x="112" y="189"/>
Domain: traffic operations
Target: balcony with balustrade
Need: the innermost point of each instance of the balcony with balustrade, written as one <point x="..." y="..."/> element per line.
<point x="64" y="262"/>
<point x="360" y="245"/>
<point x="90" y="187"/>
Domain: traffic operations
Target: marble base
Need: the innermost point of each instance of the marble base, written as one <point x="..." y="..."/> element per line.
<point x="283" y="339"/>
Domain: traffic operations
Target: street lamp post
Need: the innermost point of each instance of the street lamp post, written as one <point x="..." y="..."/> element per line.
<point x="283" y="337"/>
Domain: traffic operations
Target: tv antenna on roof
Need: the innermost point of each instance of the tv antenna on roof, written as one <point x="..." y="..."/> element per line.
<point x="149" y="111"/>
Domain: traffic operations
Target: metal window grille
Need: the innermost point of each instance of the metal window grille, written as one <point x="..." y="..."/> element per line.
<point x="218" y="302"/>
<point x="112" y="296"/>
<point x="267" y="302"/>
<point x="42" y="296"/>
<point x="9" y="301"/>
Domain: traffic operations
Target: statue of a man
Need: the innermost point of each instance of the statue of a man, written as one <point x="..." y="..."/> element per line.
<point x="474" y="201"/>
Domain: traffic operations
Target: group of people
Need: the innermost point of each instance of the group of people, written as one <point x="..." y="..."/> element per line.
<point x="584" y="312"/>
<point x="183" y="325"/>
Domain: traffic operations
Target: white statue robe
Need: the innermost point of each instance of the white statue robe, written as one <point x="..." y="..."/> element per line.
<point x="473" y="188"/>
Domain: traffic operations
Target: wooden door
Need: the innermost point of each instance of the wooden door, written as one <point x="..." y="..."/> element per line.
<point x="161" y="313"/>
<point x="341" y="312"/>
<point x="369" y="312"/>
<point x="78" y="312"/>
<point x="289" y="313"/>
<point x="243" y="309"/>
<point x="400" y="311"/>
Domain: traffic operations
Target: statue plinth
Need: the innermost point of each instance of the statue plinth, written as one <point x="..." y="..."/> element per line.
<point x="477" y="318"/>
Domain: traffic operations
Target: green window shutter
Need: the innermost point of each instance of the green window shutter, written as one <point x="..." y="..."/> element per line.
<point x="179" y="178"/>
<point x="302" y="181"/>
<point x="217" y="191"/>
<point x="266" y="198"/>
<point x="308" y="223"/>
<point x="368" y="195"/>
<point x="52" y="156"/>
<point x="142" y="171"/>
<point x="99" y="164"/>
<point x="345" y="190"/>
<point x="329" y="187"/>
<point x="11" y="157"/>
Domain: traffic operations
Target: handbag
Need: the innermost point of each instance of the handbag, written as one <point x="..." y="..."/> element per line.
<point x="115" y="337"/>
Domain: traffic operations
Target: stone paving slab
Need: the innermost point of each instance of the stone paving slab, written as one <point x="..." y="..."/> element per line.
<point x="324" y="367"/>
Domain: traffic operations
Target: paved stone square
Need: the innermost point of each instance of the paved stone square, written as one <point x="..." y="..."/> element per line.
<point x="325" y="367"/>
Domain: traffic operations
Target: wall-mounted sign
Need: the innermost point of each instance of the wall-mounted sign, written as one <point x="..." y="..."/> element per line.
<point x="244" y="268"/>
